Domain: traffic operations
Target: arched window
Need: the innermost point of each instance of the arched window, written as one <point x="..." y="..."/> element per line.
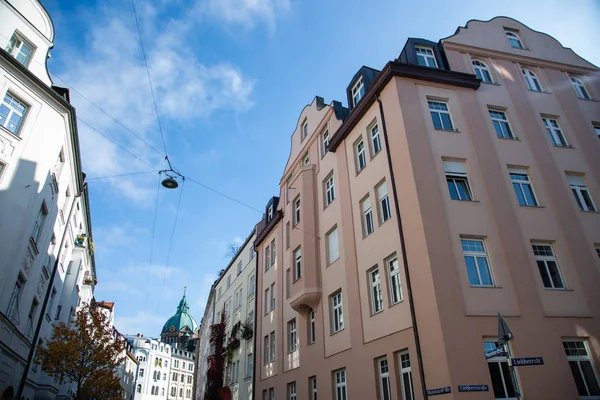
<point x="532" y="80"/>
<point x="515" y="40"/>
<point x="580" y="88"/>
<point x="139" y="388"/>
<point x="162" y="392"/>
<point x="482" y="71"/>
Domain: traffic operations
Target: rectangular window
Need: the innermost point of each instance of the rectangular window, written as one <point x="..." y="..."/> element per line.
<point x="523" y="187"/>
<point x="340" y="384"/>
<point x="40" y="221"/>
<point x="292" y="391"/>
<point x="13" y="305"/>
<point x="306" y="160"/>
<point x="337" y="315"/>
<point x="228" y="281"/>
<point x="12" y="112"/>
<point x="581" y="192"/>
<point x="457" y="181"/>
<point x="555" y="132"/>
<point x="304" y="129"/>
<point x="266" y="350"/>
<point x="20" y="49"/>
<point x="548" y="265"/>
<point x="368" y="225"/>
<point x="406" y="376"/>
<point x="51" y="303"/>
<point x="502" y="382"/>
<point x="297" y="264"/>
<point x="358" y="91"/>
<point x="239" y="267"/>
<point x="267" y="301"/>
<point x="395" y="283"/>
<point x="58" y="310"/>
<point x="598" y="251"/>
<point x="267" y="257"/>
<point x="297" y="211"/>
<point x="361" y="156"/>
<point x="272" y="336"/>
<point x="375" y="140"/>
<point x="292" y="336"/>
<point x="219" y="293"/>
<point x="501" y="125"/>
<point x="313" y="387"/>
<point x="272" y="296"/>
<point x="440" y="115"/>
<point x="273" y="252"/>
<point x="425" y="57"/>
<point x="384" y="378"/>
<point x="251" y="285"/>
<point x="311" y="327"/>
<point x="329" y="190"/>
<point x="272" y="394"/>
<point x="333" y="251"/>
<point x="476" y="260"/>
<point x="385" y="212"/>
<point x="325" y="141"/>
<point x="582" y="368"/>
<point x="288" y="232"/>
<point x="249" y="365"/>
<point x="376" y="297"/>
<point x="597" y="129"/>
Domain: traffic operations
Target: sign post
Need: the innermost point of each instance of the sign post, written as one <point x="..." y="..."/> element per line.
<point x="505" y="335"/>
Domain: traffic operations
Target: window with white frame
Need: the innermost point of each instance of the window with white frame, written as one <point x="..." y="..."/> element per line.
<point x="532" y="81"/>
<point x="384" y="378"/>
<point x="271" y="394"/>
<point x="249" y="365"/>
<point x="297" y="264"/>
<point x="395" y="283"/>
<point x="340" y="384"/>
<point x="306" y="160"/>
<point x="514" y="40"/>
<point x="385" y="212"/>
<point x="20" y="49"/>
<point x="482" y="71"/>
<point x="288" y="233"/>
<point x="292" y="336"/>
<point x="311" y="327"/>
<point x="548" y="265"/>
<point x="337" y="314"/>
<point x="313" y="387"/>
<point x="297" y="210"/>
<point x="457" y="180"/>
<point x="333" y="251"/>
<point x="266" y="350"/>
<point x="555" y="132"/>
<point x="272" y="296"/>
<point x="597" y="129"/>
<point x="582" y="368"/>
<point x="523" y="188"/>
<point x="13" y="310"/>
<point x="425" y="57"/>
<point x="375" y="140"/>
<point x="440" y="115"/>
<point x="267" y="301"/>
<point x="361" y="156"/>
<point x="304" y="129"/>
<point x="375" y="289"/>
<point x="12" y="112"/>
<point x="292" y="391"/>
<point x="581" y="192"/>
<point x="270" y="213"/>
<point x="476" y="261"/>
<point x="273" y="252"/>
<point x="406" y="376"/>
<point x="2" y="166"/>
<point x="358" y="91"/>
<point x="325" y="142"/>
<point x="228" y="281"/>
<point x="239" y="267"/>
<point x="251" y="285"/>
<point x="580" y="89"/>
<point x="219" y="293"/>
<point x="273" y="349"/>
<point x="501" y="125"/>
<point x="502" y="382"/>
<point x="367" y="217"/>
<point x="329" y="190"/>
<point x="40" y="221"/>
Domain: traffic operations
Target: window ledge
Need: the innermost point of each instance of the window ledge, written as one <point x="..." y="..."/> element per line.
<point x="246" y="379"/>
<point x="512" y="139"/>
<point x="558" y="289"/>
<point x="12" y="135"/>
<point x="447" y="130"/>
<point x="335" y="333"/>
<point x="539" y="91"/>
<point x="589" y="211"/>
<point x="465" y="201"/>
<point x="492" y="83"/>
<point x="360" y="170"/>
<point x="528" y="206"/>
<point x="484" y="287"/>
<point x="563" y="147"/>
<point x="395" y="304"/>
<point x="592" y="99"/>
<point x="377" y="313"/>
<point x="375" y="155"/>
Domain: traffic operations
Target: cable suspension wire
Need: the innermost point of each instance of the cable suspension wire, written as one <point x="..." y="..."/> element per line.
<point x="137" y="22"/>
<point x="151" y="247"/>
<point x="119" y="175"/>
<point x="170" y="244"/>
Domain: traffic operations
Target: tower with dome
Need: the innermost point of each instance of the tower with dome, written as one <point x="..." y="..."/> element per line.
<point x="181" y="330"/>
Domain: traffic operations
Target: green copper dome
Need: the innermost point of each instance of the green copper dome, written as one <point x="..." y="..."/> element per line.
<point x="181" y="319"/>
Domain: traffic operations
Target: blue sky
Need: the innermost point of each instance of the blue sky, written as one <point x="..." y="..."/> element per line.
<point x="230" y="78"/>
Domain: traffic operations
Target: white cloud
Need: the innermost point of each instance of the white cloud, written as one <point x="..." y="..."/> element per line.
<point x="142" y="322"/>
<point x="247" y="12"/>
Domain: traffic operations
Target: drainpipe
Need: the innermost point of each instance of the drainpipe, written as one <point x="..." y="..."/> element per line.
<point x="411" y="301"/>
<point x="255" y="321"/>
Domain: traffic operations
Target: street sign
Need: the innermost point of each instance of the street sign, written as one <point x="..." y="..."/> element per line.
<point x="498" y="351"/>
<point x="473" y="388"/>
<point x="505" y="335"/>
<point x="527" y="361"/>
<point x="435" y="392"/>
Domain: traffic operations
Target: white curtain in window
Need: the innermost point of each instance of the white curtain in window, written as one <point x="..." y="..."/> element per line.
<point x="332" y="246"/>
<point x="456" y="167"/>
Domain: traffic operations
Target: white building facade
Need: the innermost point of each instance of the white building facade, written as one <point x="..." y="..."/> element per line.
<point x="153" y="373"/>
<point x="47" y="266"/>
<point x="181" y="384"/>
<point x="233" y="293"/>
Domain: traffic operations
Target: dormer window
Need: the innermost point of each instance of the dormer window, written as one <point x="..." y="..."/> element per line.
<point x="270" y="213"/>
<point x="514" y="40"/>
<point x="358" y="91"/>
<point x="20" y="49"/>
<point x="425" y="57"/>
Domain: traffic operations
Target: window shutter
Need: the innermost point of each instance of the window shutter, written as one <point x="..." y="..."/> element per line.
<point x="517" y="171"/>
<point x="382" y="190"/>
<point x="576" y="180"/>
<point x="366" y="204"/>
<point x="455" y="167"/>
<point x="332" y="244"/>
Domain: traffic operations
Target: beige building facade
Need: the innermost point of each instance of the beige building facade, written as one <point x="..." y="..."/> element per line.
<point x="461" y="182"/>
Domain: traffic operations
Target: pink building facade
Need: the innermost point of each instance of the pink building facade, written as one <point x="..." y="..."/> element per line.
<point x="461" y="182"/>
